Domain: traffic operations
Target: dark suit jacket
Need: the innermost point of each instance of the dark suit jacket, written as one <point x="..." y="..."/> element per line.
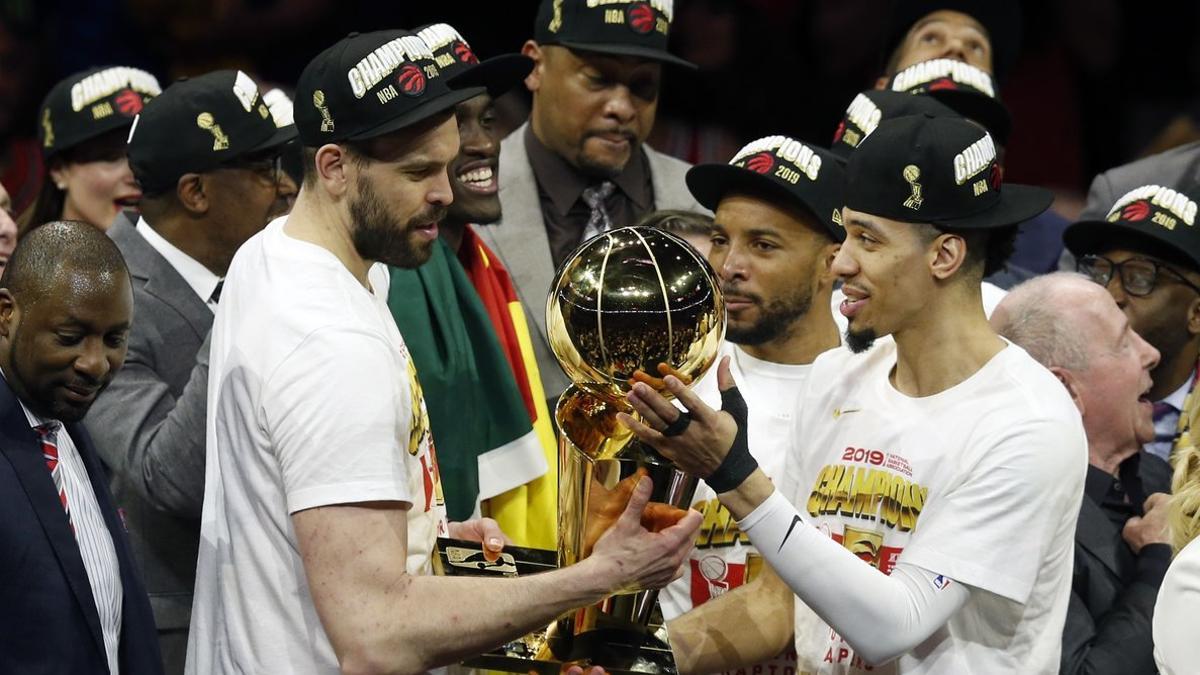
<point x="48" y="619"/>
<point x="149" y="428"/>
<point x="1113" y="591"/>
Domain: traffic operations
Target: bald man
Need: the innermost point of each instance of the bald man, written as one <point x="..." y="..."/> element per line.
<point x="72" y="599"/>
<point x="1071" y="325"/>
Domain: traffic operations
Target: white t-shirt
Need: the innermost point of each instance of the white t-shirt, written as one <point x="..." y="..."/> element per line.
<point x="1176" y="650"/>
<point x="980" y="483"/>
<point x="724" y="558"/>
<point x="312" y="401"/>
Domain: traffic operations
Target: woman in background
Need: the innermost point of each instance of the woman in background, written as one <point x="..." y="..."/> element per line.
<point x="83" y="125"/>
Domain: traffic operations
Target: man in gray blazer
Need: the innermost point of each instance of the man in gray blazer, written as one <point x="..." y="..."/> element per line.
<point x="207" y="187"/>
<point x="579" y="165"/>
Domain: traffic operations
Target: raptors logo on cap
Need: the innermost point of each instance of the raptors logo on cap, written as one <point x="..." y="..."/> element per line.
<point x="997" y="176"/>
<point x="129" y="102"/>
<point x="463" y="53"/>
<point x="761" y="163"/>
<point x="1136" y="211"/>
<point x="641" y="18"/>
<point x="411" y="80"/>
<point x="944" y="84"/>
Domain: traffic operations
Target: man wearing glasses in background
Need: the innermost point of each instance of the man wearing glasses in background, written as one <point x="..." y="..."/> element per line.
<point x="207" y="155"/>
<point x="1146" y="251"/>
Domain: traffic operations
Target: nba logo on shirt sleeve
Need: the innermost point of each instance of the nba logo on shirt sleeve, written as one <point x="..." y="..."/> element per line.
<point x="940" y="582"/>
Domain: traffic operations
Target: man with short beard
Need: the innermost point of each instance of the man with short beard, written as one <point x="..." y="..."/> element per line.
<point x="580" y="165"/>
<point x="916" y="465"/>
<point x="772" y="244"/>
<point x="322" y="494"/>
<point x="464" y="327"/>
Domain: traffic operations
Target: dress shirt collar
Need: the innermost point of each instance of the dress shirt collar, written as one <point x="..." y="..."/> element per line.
<point x="198" y="277"/>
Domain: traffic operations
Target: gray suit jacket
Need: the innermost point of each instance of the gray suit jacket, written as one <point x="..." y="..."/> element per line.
<point x="521" y="242"/>
<point x="1167" y="169"/>
<point x="149" y="428"/>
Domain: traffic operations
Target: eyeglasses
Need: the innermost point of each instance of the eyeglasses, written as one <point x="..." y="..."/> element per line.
<point x="1138" y="275"/>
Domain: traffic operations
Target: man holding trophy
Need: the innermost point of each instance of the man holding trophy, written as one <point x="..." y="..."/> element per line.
<point x="926" y="512"/>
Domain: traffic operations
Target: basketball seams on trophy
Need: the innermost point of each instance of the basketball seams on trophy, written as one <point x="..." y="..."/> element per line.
<point x="622" y="304"/>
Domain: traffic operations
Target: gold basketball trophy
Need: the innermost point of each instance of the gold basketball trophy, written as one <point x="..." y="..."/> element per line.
<point x="623" y="303"/>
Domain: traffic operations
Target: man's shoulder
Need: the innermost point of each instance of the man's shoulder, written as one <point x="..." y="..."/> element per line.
<point x="1164" y="164"/>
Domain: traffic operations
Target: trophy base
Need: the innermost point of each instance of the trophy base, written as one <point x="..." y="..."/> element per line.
<point x="618" y="647"/>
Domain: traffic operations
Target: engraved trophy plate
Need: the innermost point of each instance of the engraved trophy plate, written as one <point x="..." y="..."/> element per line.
<point x="624" y="302"/>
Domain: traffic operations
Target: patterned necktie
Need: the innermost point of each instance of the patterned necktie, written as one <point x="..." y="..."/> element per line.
<point x="48" y="433"/>
<point x="598" y="221"/>
<point x="216" y="294"/>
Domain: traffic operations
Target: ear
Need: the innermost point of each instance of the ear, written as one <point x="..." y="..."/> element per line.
<point x="947" y="253"/>
<point x="1193" y="317"/>
<point x="1073" y="388"/>
<point x="8" y="312"/>
<point x="534" y="79"/>
<point x="191" y="193"/>
<point x="824" y="265"/>
<point x="331" y="163"/>
<point x="59" y="174"/>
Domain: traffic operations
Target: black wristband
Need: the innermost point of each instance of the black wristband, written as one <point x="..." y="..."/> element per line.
<point x="739" y="463"/>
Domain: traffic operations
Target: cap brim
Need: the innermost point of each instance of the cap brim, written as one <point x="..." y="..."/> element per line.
<point x="618" y="49"/>
<point x="281" y="136"/>
<point x="989" y="112"/>
<point x="709" y="183"/>
<point x="1094" y="236"/>
<point x="1018" y="203"/>
<point x="498" y="74"/>
<point x="420" y="113"/>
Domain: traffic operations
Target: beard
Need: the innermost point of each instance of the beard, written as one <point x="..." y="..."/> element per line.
<point x="775" y="320"/>
<point x="601" y="168"/>
<point x="860" y="341"/>
<point x="379" y="236"/>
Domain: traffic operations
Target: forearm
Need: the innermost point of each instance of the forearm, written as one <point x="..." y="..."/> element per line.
<point x="424" y="621"/>
<point x="854" y="598"/>
<point x="744" y="627"/>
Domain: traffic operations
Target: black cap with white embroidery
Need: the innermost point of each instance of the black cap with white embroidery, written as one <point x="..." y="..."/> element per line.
<point x="636" y="28"/>
<point x="969" y="91"/>
<point x="1153" y="219"/>
<point x="89" y="104"/>
<point x="198" y="124"/>
<point x="796" y="173"/>
<point x="454" y="56"/>
<point x="938" y="170"/>
<point x="871" y="107"/>
<point x="371" y="84"/>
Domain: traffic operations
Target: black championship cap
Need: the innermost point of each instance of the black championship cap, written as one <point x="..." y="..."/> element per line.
<point x="92" y="103"/>
<point x="966" y="89"/>
<point x="198" y="124"/>
<point x="937" y="170"/>
<point x="1000" y="18"/>
<point x="371" y="84"/>
<point x="620" y="27"/>
<point x="798" y="174"/>
<point x="1154" y="219"/>
<point x="871" y="107"/>
<point x="454" y="56"/>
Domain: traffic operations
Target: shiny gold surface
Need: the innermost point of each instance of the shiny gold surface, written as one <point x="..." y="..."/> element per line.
<point x="629" y="300"/>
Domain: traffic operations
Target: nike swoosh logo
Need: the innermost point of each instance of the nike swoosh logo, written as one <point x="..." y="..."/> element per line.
<point x="795" y="521"/>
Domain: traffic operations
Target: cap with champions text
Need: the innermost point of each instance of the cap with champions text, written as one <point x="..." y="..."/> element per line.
<point x="963" y="87"/>
<point x="454" y="56"/>
<point x="1154" y="219"/>
<point x="92" y="103"/>
<point x="636" y="28"/>
<point x="371" y="84"/>
<point x="794" y="172"/>
<point x="938" y="170"/>
<point x="871" y="107"/>
<point x="198" y="124"/>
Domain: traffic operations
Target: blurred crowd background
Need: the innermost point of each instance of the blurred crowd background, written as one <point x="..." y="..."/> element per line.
<point x="1098" y="82"/>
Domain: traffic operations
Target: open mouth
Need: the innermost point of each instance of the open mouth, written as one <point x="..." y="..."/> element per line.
<point x="854" y="302"/>
<point x="128" y="202"/>
<point x="480" y="179"/>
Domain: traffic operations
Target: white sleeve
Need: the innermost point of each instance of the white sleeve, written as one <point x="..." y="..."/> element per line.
<point x="880" y="616"/>
<point x="1176" y="649"/>
<point x="336" y="411"/>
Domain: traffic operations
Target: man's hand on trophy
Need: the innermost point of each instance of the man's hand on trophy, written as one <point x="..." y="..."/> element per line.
<point x="485" y="531"/>
<point x="633" y="558"/>
<point x="659" y="383"/>
<point x="704" y="442"/>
